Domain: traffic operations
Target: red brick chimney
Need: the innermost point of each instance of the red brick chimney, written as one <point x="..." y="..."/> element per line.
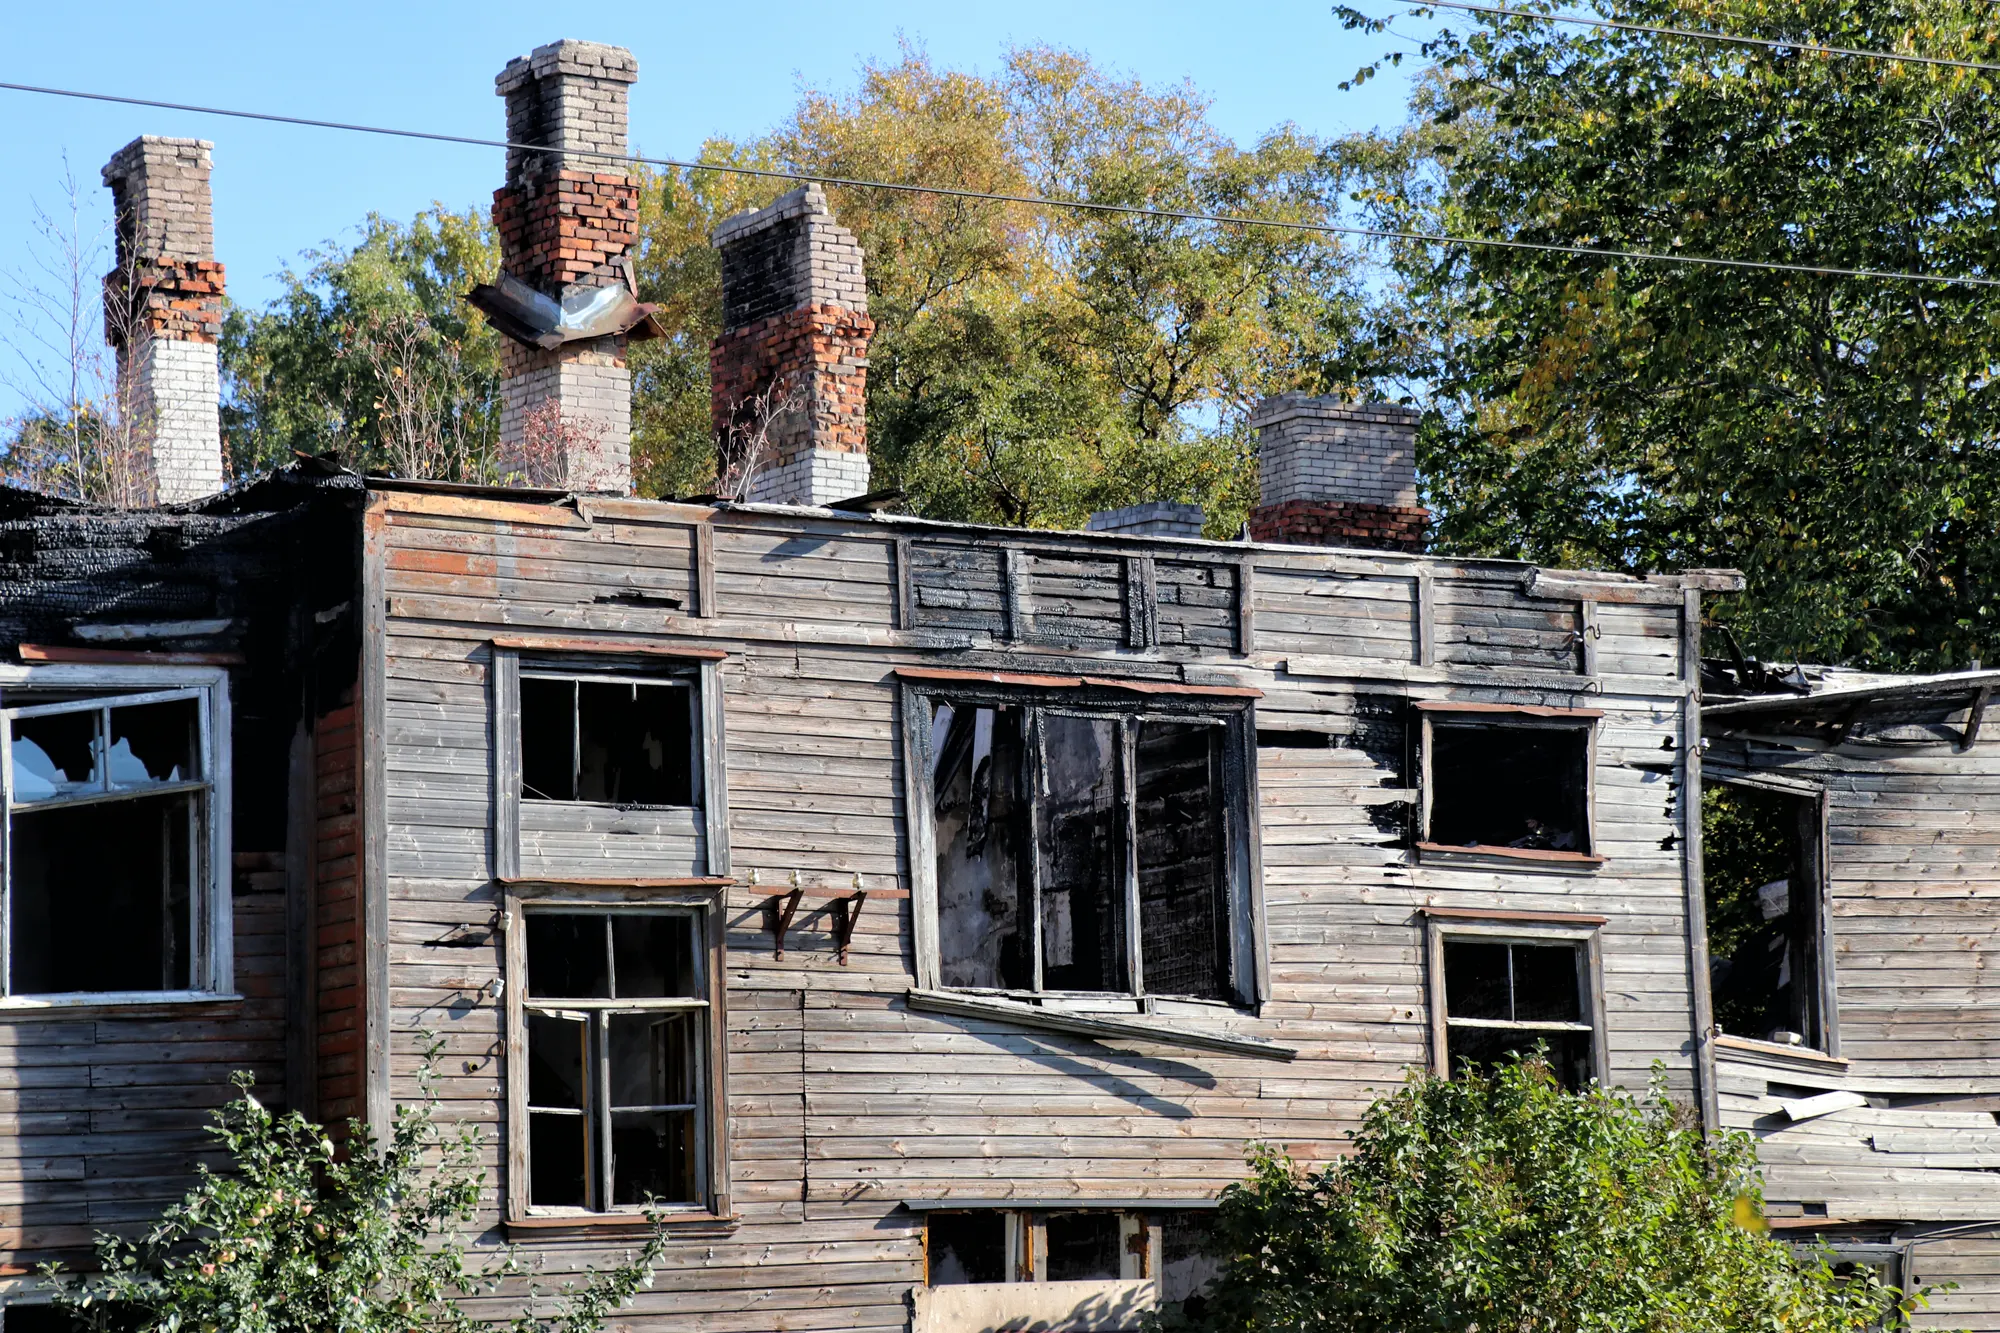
<point x="163" y="312"/>
<point x="1334" y="473"/>
<point x="565" y="298"/>
<point x="790" y="369"/>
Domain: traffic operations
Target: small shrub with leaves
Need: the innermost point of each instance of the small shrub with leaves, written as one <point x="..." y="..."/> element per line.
<point x="1505" y="1204"/>
<point x="304" y="1235"/>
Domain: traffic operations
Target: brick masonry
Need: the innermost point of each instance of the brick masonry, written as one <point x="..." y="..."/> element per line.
<point x="1333" y="473"/>
<point x="568" y="220"/>
<point x="1159" y="518"/>
<point x="795" y="326"/>
<point x="163" y="311"/>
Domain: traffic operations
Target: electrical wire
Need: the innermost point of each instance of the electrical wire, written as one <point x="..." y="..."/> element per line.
<point x="1036" y="201"/>
<point x="1699" y="35"/>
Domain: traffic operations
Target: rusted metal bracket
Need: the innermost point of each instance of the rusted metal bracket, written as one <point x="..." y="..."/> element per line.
<point x="846" y="912"/>
<point x="777" y="918"/>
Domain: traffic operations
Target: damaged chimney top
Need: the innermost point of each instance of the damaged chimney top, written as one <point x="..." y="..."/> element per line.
<point x="163" y="313"/>
<point x="790" y="369"/>
<point x="566" y="298"/>
<point x="1158" y="518"/>
<point x="1334" y="473"/>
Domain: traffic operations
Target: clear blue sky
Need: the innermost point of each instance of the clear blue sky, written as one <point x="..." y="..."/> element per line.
<point x="704" y="69"/>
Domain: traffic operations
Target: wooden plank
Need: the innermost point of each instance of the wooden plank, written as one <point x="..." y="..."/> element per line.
<point x="1518" y="710"/>
<point x="38" y="652"/>
<point x="1142" y="627"/>
<point x="704" y="571"/>
<point x="1020" y="610"/>
<point x="1426" y="617"/>
<point x="567" y="644"/>
<point x="1096" y="1026"/>
<point x="945" y="674"/>
<point x="1246" y="607"/>
<point x="374" y="869"/>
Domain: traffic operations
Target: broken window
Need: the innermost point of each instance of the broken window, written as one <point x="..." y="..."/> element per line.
<point x="1504" y="994"/>
<point x="615" y="1023"/>
<point x="616" y="740"/>
<point x="109" y="802"/>
<point x="1003" y="1245"/>
<point x="1085" y="851"/>
<point x="1515" y="784"/>
<point x="1760" y="889"/>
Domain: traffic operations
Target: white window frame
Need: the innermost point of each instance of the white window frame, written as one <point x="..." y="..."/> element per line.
<point x="697" y="671"/>
<point x="705" y="904"/>
<point x="1503" y="928"/>
<point x="211" y="935"/>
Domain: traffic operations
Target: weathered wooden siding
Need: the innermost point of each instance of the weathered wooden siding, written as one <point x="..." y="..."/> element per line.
<point x="1914" y="888"/>
<point x="337" y="916"/>
<point x="842" y="1101"/>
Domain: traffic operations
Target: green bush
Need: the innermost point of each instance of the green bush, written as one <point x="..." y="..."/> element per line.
<point x="302" y="1235"/>
<point x="1504" y="1204"/>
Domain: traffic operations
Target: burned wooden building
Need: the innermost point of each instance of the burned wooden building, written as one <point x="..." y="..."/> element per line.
<point x="927" y="914"/>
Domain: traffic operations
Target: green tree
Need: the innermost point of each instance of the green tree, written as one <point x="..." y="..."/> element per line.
<point x="301" y="1236"/>
<point x="1506" y="1204"/>
<point x="1834" y="437"/>
<point x="1032" y="365"/>
<point x="373" y="352"/>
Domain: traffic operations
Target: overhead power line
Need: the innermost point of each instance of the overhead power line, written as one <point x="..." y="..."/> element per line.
<point x="1038" y="201"/>
<point x="1733" y="39"/>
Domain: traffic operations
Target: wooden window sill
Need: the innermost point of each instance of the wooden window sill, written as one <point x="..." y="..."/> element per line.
<point x="559" y="1226"/>
<point x="1096" y="1026"/>
<point x="1441" y="851"/>
<point x="1771" y="1052"/>
<point x="115" y="1004"/>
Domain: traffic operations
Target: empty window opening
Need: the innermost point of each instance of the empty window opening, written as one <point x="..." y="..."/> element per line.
<point x="1504" y="997"/>
<point x="999" y="1245"/>
<point x="967" y="1247"/>
<point x="1082" y="852"/>
<point x="608" y="740"/>
<point x="1190" y="1258"/>
<point x="1761" y="893"/>
<point x="1509" y="785"/>
<point x="615" y="1025"/>
<point x="1082" y="1247"/>
<point x="108" y="809"/>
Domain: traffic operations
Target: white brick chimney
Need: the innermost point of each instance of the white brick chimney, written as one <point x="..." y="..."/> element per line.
<point x="163" y="312"/>
<point x="568" y="221"/>
<point x="1334" y="473"/>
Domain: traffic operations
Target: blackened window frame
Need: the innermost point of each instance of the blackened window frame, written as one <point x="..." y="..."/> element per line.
<point x="698" y="669"/>
<point x="1582" y="722"/>
<point x="211" y="934"/>
<point x="706" y="903"/>
<point x="1578" y="930"/>
<point x="1128" y="704"/>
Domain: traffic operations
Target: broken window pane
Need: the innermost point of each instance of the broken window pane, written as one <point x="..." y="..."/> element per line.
<point x="634" y="744"/>
<point x="653" y="1060"/>
<point x="653" y="1158"/>
<point x="154" y="743"/>
<point x="1189" y="1254"/>
<point x="55" y="755"/>
<point x="1506" y="982"/>
<point x="1183" y="881"/>
<point x="653" y="955"/>
<point x="967" y="1247"/>
<point x="548" y="739"/>
<point x="1485" y="1048"/>
<point x="1082" y="840"/>
<point x="1476" y="982"/>
<point x="1762" y="910"/>
<point x="101" y="895"/>
<point x="1509" y="786"/>
<point x="568" y="956"/>
<point x="616" y="742"/>
<point x="977" y="785"/>
<point x="1082" y="1247"/>
<point x="558" y="1128"/>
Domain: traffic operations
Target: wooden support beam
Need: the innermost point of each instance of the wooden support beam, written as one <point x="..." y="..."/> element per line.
<point x="1973" y="718"/>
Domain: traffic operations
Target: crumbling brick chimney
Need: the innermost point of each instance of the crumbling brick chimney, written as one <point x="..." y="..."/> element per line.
<point x="566" y="297"/>
<point x="790" y="369"/>
<point x="1334" y="473"/>
<point x="163" y="313"/>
